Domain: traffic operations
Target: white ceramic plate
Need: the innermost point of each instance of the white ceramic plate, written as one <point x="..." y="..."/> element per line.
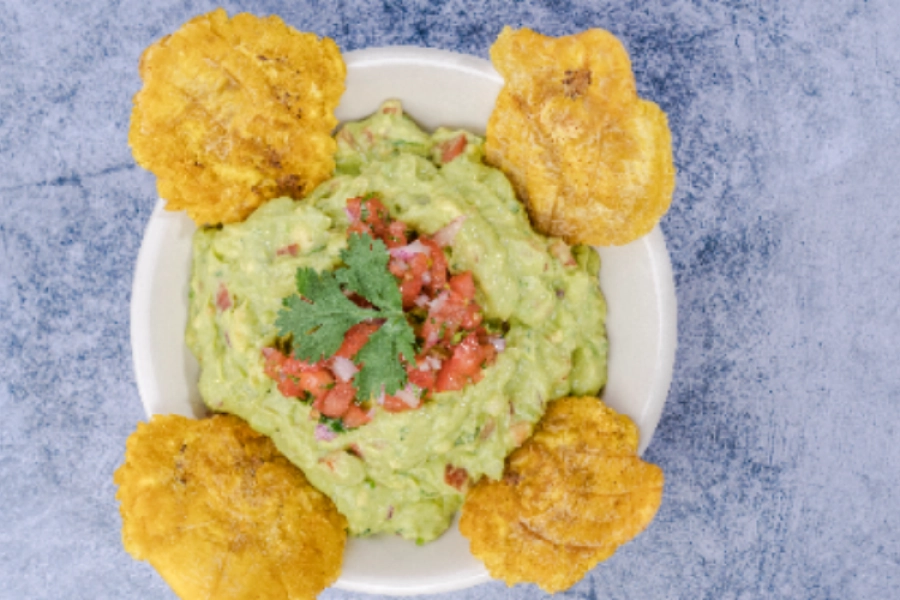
<point x="436" y="88"/>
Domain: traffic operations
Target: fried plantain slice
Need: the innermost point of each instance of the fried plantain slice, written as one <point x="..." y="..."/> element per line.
<point x="592" y="161"/>
<point x="234" y="112"/>
<point x="570" y="496"/>
<point x="512" y="552"/>
<point x="580" y="424"/>
<point x="603" y="501"/>
<point x="220" y="513"/>
<point x="595" y="490"/>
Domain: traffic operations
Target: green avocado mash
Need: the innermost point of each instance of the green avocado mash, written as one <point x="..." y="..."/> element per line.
<point x="389" y="474"/>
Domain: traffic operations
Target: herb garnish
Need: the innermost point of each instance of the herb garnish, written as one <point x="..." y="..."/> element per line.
<point x="320" y="315"/>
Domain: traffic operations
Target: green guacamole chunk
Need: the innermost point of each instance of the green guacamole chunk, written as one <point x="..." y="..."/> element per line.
<point x="391" y="474"/>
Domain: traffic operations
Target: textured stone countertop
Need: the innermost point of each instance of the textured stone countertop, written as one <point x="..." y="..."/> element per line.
<point x="780" y="436"/>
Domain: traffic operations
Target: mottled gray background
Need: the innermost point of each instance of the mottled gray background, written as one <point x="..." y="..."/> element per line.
<point x="779" y="438"/>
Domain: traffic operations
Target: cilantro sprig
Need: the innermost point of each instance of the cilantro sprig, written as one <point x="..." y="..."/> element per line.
<point x="319" y="315"/>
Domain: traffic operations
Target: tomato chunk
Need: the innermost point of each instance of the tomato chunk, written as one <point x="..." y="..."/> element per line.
<point x="412" y="280"/>
<point x="394" y="404"/>
<point x="395" y="234"/>
<point x="421" y="378"/>
<point x="355" y="338"/>
<point x="456" y="477"/>
<point x="438" y="270"/>
<point x="464" y="285"/>
<point x="337" y="400"/>
<point x="452" y="148"/>
<point x="355" y="417"/>
<point x="463" y="367"/>
<point x="223" y="298"/>
<point x="289" y="250"/>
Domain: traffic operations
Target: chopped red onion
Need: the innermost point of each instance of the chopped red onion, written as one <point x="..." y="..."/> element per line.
<point x="445" y="235"/>
<point x="343" y="368"/>
<point x="498" y="342"/>
<point x="421" y="301"/>
<point x="324" y="434"/>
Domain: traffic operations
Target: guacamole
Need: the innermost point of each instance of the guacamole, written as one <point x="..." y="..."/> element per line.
<point x="391" y="474"/>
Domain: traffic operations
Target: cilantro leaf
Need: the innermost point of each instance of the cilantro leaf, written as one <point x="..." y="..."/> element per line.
<point x="367" y="273"/>
<point x="320" y="315"/>
<point x="318" y="320"/>
<point x="378" y="358"/>
<point x="334" y="424"/>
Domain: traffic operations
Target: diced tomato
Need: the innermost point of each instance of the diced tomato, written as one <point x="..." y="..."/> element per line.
<point x="456" y="477"/>
<point x="296" y="378"/>
<point x="337" y="400"/>
<point x="452" y="148"/>
<point x="354" y="208"/>
<point x="355" y="338"/>
<point x="355" y="417"/>
<point x="395" y="405"/>
<point x="374" y="213"/>
<point x="409" y="291"/>
<point x="463" y="284"/>
<point x="395" y="235"/>
<point x="421" y="378"/>
<point x="446" y="315"/>
<point x="290" y="387"/>
<point x="431" y="331"/>
<point x="290" y="250"/>
<point x="412" y="279"/>
<point x="315" y="383"/>
<point x="274" y="362"/>
<point x="223" y="299"/>
<point x="360" y="228"/>
<point x="354" y="212"/>
<point x="472" y="316"/>
<point x="294" y="366"/>
<point x="488" y="350"/>
<point x="461" y="368"/>
<point x="438" y="269"/>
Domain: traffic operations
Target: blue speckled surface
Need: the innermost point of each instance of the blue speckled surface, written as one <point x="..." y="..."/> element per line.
<point x="779" y="439"/>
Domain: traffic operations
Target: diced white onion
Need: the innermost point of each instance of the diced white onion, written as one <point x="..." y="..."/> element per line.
<point x="409" y="250"/>
<point x="446" y="235"/>
<point x="498" y="342"/>
<point x="408" y="395"/>
<point x="343" y="368"/>
<point x="439" y="302"/>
